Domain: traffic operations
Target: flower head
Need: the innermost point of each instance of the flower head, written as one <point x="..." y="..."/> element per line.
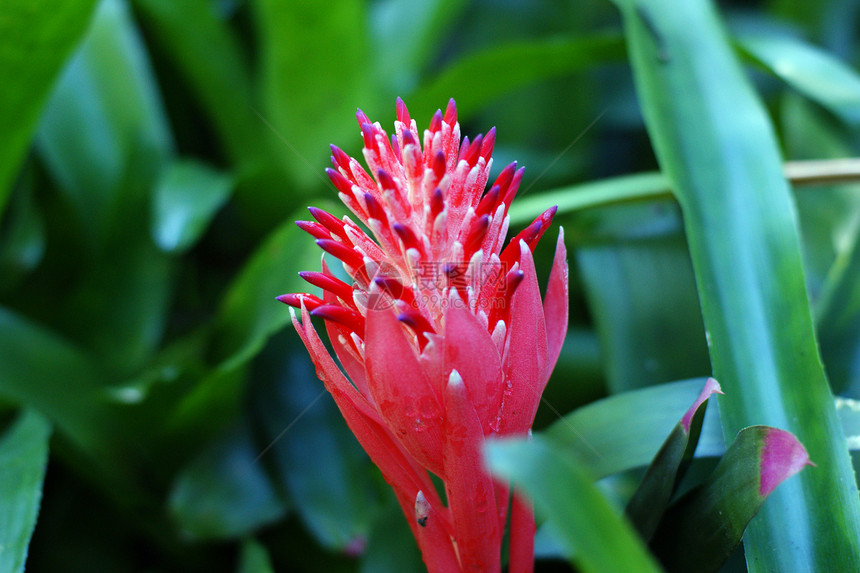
<point x="440" y="329"/>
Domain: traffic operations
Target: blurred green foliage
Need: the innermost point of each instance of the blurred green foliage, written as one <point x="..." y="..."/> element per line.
<point x="153" y="155"/>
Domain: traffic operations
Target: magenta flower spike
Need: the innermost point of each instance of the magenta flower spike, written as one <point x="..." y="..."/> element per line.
<point x="441" y="332"/>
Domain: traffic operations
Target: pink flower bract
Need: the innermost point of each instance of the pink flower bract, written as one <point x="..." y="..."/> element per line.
<point x="441" y="332"/>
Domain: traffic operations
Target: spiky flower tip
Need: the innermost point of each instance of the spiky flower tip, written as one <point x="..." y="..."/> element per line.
<point x="441" y="331"/>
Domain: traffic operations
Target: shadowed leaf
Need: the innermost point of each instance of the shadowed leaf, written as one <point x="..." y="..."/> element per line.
<point x="224" y="492"/>
<point x="701" y="529"/>
<point x="652" y="496"/>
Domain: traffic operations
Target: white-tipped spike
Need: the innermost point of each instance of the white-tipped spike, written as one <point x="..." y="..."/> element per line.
<point x="359" y="343"/>
<point x="413" y="256"/>
<point x="498" y="335"/>
<point x="482" y="316"/>
<point x="473" y="298"/>
<point x="454" y="379"/>
<point x="457" y="253"/>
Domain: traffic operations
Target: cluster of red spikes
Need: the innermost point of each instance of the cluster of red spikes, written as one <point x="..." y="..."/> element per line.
<point x="441" y="332"/>
<point x="429" y="215"/>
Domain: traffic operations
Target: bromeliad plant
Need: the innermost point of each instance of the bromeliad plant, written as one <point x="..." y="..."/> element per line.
<point x="440" y="330"/>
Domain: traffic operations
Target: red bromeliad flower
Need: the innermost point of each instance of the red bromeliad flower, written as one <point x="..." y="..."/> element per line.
<point x="441" y="331"/>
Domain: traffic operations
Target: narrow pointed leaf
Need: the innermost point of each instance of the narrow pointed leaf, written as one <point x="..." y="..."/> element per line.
<point x="626" y="188"/>
<point x="701" y="529"/>
<point x="23" y="459"/>
<point x="186" y="198"/>
<point x="652" y="496"/>
<point x="626" y="430"/>
<point x="36" y="37"/>
<point x="30" y="359"/>
<point x="104" y="135"/>
<point x="812" y="71"/>
<point x="599" y="539"/>
<point x="715" y="144"/>
<point x="502" y="69"/>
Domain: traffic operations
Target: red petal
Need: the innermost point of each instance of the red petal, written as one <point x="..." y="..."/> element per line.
<point x="433" y="539"/>
<point x="471" y="496"/>
<point x="555" y="304"/>
<point x="522" y="549"/>
<point x="525" y="362"/>
<point x="470" y="350"/>
<point x="400" y="388"/>
<point x="364" y="421"/>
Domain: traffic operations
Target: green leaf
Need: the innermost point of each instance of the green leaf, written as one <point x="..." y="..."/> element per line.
<point x="24" y="459"/>
<point x="839" y="316"/>
<point x="209" y="55"/>
<point x="329" y="478"/>
<point x="40" y="370"/>
<point x="313" y="75"/>
<point x="254" y="558"/>
<point x="249" y="313"/>
<point x="500" y="70"/>
<point x="701" y="529"/>
<point x="224" y="491"/>
<point x="626" y="430"/>
<point x="642" y="186"/>
<point x="186" y="198"/>
<point x="104" y="135"/>
<point x="407" y="35"/>
<point x="593" y="532"/>
<point x="36" y="37"/>
<point x="641" y="293"/>
<point x="652" y="496"/>
<point x="104" y="139"/>
<point x="811" y="71"/>
<point x="715" y="144"/>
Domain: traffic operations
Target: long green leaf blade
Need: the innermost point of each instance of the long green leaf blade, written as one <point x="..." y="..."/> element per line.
<point x="502" y="69"/>
<point x="626" y="430"/>
<point x="36" y="37"/>
<point x="23" y="459"/>
<point x="810" y="70"/>
<point x="599" y="539"/>
<point x="716" y="147"/>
